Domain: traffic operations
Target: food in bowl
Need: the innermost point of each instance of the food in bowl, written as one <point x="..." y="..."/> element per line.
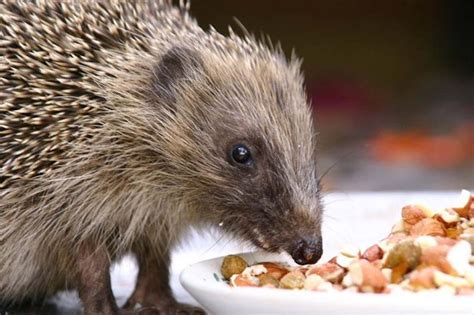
<point x="427" y="250"/>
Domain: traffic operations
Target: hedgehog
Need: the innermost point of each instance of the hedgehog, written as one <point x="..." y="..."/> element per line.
<point x="124" y="123"/>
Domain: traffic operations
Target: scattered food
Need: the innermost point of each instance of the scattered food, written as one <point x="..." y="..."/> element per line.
<point x="428" y="250"/>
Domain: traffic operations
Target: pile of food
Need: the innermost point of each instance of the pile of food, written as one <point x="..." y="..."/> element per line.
<point x="427" y="250"/>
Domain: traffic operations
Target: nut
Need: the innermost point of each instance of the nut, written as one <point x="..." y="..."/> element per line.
<point x="367" y="277"/>
<point x="454" y="232"/>
<point x="436" y="257"/>
<point x="449" y="216"/>
<point x="347" y="281"/>
<point x="425" y="241"/>
<point x="428" y="211"/>
<point x="328" y="271"/>
<point x="405" y="252"/>
<point x="268" y="281"/>
<point x="326" y="287"/>
<point x="453" y="260"/>
<point x="373" y="253"/>
<point x="398" y="272"/>
<point x="232" y="265"/>
<point x="423" y="279"/>
<point x="312" y="282"/>
<point x="458" y="257"/>
<point x="445" y="241"/>
<point x="274" y="270"/>
<point x="292" y="280"/>
<point x="463" y="204"/>
<point x="441" y="279"/>
<point x="387" y="272"/>
<point x="238" y="280"/>
<point x="412" y="214"/>
<point x="389" y="242"/>
<point x="428" y="226"/>
<point x="254" y="270"/>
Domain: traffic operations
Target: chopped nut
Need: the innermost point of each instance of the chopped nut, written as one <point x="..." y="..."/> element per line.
<point x="398" y="272"/>
<point x="441" y="279"/>
<point x="292" y="280"/>
<point x="449" y="216"/>
<point x="232" y="265"/>
<point x="425" y="241"/>
<point x="347" y="281"/>
<point x="445" y="241"/>
<point x="238" y="280"/>
<point x="458" y="257"/>
<point x="373" y="253"/>
<point x="423" y="279"/>
<point x="312" y="282"/>
<point x="326" y="287"/>
<point x="454" y="232"/>
<point x="406" y="252"/>
<point x="436" y="257"/>
<point x="303" y="270"/>
<point x="365" y="275"/>
<point x="268" y="281"/>
<point x="387" y="272"/>
<point x="463" y="204"/>
<point x="254" y="270"/>
<point x="274" y="270"/>
<point x="428" y="226"/>
<point x="328" y="271"/>
<point x="392" y="240"/>
<point x="412" y="214"/>
<point x="428" y="211"/>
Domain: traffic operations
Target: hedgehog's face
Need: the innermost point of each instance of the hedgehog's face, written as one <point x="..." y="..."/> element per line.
<point x="269" y="197"/>
<point x="250" y="153"/>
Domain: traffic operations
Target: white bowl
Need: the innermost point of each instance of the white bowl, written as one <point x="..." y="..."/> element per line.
<point x="204" y="282"/>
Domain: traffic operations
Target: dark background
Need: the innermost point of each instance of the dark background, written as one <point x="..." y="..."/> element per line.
<point x="391" y="83"/>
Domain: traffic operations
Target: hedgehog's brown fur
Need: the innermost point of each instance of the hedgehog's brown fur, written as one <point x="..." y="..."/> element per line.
<point x="95" y="148"/>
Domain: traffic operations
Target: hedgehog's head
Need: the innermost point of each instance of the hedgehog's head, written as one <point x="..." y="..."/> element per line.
<point x="238" y="138"/>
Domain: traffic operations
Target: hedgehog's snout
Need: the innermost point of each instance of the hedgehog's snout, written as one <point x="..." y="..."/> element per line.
<point x="307" y="251"/>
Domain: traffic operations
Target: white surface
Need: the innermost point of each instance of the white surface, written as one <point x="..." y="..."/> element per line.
<point x="218" y="298"/>
<point x="354" y="218"/>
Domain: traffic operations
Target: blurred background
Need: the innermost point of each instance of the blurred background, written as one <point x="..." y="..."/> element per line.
<point x="391" y="84"/>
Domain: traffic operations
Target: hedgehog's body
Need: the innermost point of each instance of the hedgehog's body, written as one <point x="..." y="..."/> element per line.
<point x="116" y="119"/>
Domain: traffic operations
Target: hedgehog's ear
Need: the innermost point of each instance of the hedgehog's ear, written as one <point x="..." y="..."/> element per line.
<point x="176" y="66"/>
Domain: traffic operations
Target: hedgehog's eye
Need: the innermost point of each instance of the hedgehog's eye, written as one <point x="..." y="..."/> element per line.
<point x="241" y="154"/>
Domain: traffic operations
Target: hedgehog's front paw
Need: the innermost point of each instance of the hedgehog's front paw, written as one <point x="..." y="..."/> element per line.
<point x="173" y="309"/>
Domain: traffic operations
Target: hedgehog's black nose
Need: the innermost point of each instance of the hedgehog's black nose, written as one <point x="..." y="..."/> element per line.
<point x="307" y="251"/>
